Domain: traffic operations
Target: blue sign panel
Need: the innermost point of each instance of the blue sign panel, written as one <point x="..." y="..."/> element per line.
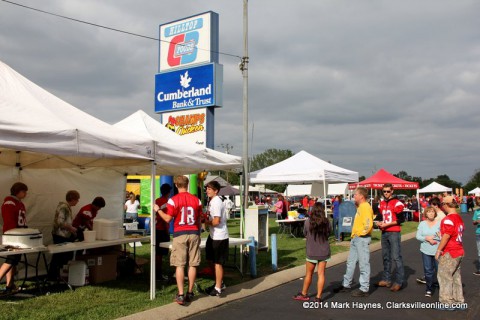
<point x="188" y="88"/>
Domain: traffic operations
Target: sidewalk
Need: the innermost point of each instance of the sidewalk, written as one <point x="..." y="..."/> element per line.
<point x="203" y="303"/>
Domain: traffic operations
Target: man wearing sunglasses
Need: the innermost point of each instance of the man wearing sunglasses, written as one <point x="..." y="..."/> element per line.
<point x="392" y="217"/>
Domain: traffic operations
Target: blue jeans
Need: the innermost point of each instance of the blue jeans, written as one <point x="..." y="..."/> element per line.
<point x="131" y="215"/>
<point x="359" y="251"/>
<point x="430" y="267"/>
<point x="478" y="252"/>
<point x="335" y="228"/>
<point x="391" y="251"/>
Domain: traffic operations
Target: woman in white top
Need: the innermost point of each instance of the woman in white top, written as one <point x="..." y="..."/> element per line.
<point x="131" y="208"/>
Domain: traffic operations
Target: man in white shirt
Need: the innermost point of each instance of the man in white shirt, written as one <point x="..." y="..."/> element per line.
<point x="217" y="242"/>
<point x="228" y="206"/>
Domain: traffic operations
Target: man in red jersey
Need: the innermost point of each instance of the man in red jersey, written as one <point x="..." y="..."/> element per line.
<point x="162" y="234"/>
<point x="84" y="218"/>
<point x="14" y="216"/>
<point x="392" y="217"/>
<point x="186" y="209"/>
<point x="449" y="255"/>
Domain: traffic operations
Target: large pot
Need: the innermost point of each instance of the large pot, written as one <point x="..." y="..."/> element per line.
<point x="23" y="238"/>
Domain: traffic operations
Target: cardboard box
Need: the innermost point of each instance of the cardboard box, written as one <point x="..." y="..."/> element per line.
<point x="102" y="267"/>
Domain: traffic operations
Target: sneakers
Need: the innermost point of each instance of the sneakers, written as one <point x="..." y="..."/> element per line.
<point x="189" y="296"/>
<point x="476" y="273"/>
<point x="360" y="293"/>
<point x="428" y="294"/>
<point x="317" y="299"/>
<point x="301" y="297"/>
<point x="342" y="289"/>
<point x="215" y="293"/>
<point x="384" y="283"/>
<point x="180" y="299"/>
<point x="421" y="280"/>
<point x="10" y="290"/>
<point x="396" y="287"/>
<point x="208" y="289"/>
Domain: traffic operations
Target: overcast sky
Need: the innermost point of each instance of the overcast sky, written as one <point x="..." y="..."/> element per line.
<point x="365" y="84"/>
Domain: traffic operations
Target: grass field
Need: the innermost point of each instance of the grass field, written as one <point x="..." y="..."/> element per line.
<point x="121" y="297"/>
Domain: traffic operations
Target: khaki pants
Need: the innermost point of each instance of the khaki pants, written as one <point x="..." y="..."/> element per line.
<point x="449" y="279"/>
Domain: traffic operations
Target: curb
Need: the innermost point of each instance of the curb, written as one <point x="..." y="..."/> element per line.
<point x="242" y="290"/>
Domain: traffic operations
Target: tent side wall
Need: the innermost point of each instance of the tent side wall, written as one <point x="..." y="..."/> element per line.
<point x="47" y="187"/>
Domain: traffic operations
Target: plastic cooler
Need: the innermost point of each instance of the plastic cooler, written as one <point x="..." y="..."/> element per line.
<point x="77" y="272"/>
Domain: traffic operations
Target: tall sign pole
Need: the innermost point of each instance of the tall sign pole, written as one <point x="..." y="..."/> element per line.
<point x="244" y="69"/>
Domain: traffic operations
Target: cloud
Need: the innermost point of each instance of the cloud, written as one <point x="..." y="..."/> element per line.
<point x="364" y="84"/>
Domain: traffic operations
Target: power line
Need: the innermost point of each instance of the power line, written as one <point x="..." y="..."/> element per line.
<point x="109" y="28"/>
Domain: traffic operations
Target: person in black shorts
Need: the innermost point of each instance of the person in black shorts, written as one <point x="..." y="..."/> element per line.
<point x="217" y="242"/>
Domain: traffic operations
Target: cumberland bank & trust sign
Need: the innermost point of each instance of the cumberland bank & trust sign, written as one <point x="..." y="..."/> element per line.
<point x="195" y="87"/>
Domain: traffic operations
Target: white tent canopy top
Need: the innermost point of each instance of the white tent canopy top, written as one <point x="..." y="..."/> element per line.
<point x="303" y="168"/>
<point x="434" y="187"/>
<point x="173" y="153"/>
<point x="475" y="191"/>
<point x="39" y="130"/>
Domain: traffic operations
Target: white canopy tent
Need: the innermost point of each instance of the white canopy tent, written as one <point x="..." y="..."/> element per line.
<point x="173" y="153"/>
<point x="475" y="191"/>
<point x="303" y="168"/>
<point x="54" y="147"/>
<point x="434" y="187"/>
<point x="431" y="188"/>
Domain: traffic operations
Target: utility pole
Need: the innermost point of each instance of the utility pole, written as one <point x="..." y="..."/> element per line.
<point x="244" y="69"/>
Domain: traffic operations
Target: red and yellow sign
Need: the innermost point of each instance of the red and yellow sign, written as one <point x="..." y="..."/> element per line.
<point x="190" y="123"/>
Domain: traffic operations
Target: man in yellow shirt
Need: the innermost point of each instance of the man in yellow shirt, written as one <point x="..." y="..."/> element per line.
<point x="359" y="246"/>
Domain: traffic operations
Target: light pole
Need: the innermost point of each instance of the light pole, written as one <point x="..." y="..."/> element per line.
<point x="244" y="69"/>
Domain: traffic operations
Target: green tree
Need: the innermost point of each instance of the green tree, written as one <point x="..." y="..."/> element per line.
<point x="473" y="182"/>
<point x="268" y="158"/>
<point x="445" y="180"/>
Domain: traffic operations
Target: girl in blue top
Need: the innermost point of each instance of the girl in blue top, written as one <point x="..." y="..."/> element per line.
<point x="428" y="234"/>
<point x="316" y="230"/>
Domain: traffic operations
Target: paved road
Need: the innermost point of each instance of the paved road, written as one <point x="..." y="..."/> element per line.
<point x="278" y="302"/>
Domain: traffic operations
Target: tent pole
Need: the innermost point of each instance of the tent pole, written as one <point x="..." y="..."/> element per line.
<point x="324" y="189"/>
<point x="419" y="208"/>
<point x="152" y="233"/>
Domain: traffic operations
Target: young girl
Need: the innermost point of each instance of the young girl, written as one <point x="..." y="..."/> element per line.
<point x="427" y="234"/>
<point x="316" y="230"/>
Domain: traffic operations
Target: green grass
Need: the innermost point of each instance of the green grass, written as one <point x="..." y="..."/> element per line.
<point x="126" y="296"/>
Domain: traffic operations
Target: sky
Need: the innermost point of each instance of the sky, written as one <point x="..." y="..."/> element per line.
<point x="364" y="84"/>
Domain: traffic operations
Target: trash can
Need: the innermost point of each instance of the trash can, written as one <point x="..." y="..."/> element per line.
<point x="463" y="208"/>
